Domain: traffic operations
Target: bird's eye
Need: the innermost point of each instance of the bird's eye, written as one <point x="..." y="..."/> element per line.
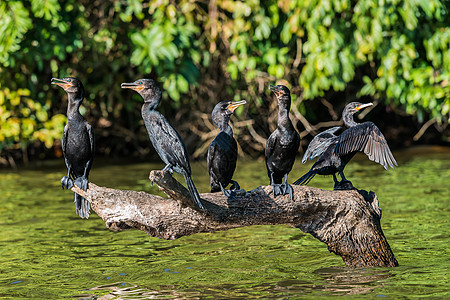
<point x="140" y="82"/>
<point x="69" y="80"/>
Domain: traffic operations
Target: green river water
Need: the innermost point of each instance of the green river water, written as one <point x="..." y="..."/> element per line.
<point x="48" y="252"/>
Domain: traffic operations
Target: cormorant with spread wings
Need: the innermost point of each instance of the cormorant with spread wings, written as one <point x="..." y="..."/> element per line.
<point x="335" y="152"/>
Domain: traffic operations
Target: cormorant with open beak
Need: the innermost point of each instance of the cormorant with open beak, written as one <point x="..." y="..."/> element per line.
<point x="165" y="139"/>
<point x="222" y="152"/>
<point x="335" y="152"/>
<point x="282" y="145"/>
<point x="77" y="143"/>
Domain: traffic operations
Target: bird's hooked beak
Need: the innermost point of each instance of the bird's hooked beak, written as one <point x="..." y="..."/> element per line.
<point x="278" y="91"/>
<point x="61" y="82"/>
<point x="133" y="86"/>
<point x="363" y="106"/>
<point x="233" y="105"/>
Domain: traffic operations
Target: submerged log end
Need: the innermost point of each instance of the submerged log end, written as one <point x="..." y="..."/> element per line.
<point x="347" y="221"/>
<point x="363" y="244"/>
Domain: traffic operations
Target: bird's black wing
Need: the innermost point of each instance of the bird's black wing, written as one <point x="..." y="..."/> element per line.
<point x="320" y="143"/>
<point x="367" y="138"/>
<point x="92" y="144"/>
<point x="175" y="149"/>
<point x="270" y="146"/>
<point x="91" y="137"/>
<point x="222" y="153"/>
<point x="64" y="144"/>
<point x="211" y="154"/>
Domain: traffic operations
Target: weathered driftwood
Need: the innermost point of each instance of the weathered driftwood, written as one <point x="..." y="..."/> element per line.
<point x="347" y="221"/>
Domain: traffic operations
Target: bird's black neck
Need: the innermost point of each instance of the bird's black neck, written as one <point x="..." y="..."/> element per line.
<point x="223" y="124"/>
<point x="148" y="108"/>
<point x="283" y="117"/>
<point x="150" y="103"/>
<point x="75" y="100"/>
<point x="151" y="98"/>
<point x="348" y="119"/>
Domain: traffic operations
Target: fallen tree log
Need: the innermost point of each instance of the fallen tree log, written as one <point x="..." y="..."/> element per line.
<point x="347" y="221"/>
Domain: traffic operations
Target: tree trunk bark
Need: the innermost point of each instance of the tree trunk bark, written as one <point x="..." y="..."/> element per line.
<point x="347" y="221"/>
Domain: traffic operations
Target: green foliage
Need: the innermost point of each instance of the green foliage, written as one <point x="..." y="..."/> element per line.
<point x="164" y="47"/>
<point x="397" y="51"/>
<point x="407" y="42"/>
<point x="14" y="22"/>
<point x="24" y="120"/>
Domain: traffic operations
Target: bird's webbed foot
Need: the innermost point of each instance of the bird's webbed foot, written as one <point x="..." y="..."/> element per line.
<point x="230" y="194"/>
<point x="82" y="183"/>
<point x="287" y="189"/>
<point x="282" y="189"/>
<point x="168" y="168"/>
<point x="66" y="182"/>
<point x="344" y="185"/>
<point x="235" y="186"/>
<point x="276" y="188"/>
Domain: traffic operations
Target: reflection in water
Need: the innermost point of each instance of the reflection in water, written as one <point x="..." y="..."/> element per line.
<point x="120" y="290"/>
<point x="332" y="281"/>
<point x="347" y="281"/>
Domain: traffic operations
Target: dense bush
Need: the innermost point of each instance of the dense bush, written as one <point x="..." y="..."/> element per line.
<point x="396" y="52"/>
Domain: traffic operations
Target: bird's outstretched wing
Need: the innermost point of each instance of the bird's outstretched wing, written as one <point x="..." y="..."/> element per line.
<point x="367" y="138"/>
<point x="320" y="143"/>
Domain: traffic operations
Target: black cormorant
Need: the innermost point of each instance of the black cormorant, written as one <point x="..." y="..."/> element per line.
<point x="222" y="152"/>
<point x="77" y="143"/>
<point x="335" y="152"/>
<point x="282" y="145"/>
<point x="165" y="139"/>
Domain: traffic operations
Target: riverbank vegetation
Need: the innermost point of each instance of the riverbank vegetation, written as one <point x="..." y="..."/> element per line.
<point x="394" y="53"/>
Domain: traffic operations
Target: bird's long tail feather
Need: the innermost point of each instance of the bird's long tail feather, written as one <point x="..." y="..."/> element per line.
<point x="305" y="179"/>
<point x="81" y="206"/>
<point x="193" y="191"/>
